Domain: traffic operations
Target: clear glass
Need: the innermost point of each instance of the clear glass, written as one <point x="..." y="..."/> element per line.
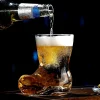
<point x="53" y="76"/>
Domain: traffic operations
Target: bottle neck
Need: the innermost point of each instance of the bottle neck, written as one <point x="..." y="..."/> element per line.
<point x="26" y="10"/>
<point x="31" y="11"/>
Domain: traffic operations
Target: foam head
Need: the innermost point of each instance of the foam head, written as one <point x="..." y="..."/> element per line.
<point x="54" y="40"/>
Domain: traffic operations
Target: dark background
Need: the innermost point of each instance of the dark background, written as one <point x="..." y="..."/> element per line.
<point x="17" y="44"/>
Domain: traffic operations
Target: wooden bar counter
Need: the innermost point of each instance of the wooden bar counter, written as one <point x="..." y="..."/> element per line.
<point x="85" y="93"/>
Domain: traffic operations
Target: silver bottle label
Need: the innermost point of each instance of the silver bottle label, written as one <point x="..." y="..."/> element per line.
<point x="25" y="10"/>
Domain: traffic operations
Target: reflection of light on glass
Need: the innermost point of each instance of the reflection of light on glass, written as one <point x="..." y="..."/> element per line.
<point x="81" y="21"/>
<point x="35" y="56"/>
<point x="10" y="4"/>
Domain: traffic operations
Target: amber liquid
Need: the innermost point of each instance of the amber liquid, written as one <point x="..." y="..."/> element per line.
<point x="53" y="74"/>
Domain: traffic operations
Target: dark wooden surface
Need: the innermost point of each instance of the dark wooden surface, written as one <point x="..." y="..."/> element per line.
<point x="75" y="94"/>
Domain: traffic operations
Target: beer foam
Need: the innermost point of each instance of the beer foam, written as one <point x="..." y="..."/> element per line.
<point x="60" y="40"/>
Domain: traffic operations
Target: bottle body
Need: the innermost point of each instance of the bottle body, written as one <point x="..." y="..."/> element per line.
<point x="8" y="12"/>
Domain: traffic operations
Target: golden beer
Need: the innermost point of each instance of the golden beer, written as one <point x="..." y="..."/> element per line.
<point x="52" y="54"/>
<point x="53" y="76"/>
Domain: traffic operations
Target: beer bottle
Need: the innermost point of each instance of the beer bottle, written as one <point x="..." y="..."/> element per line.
<point x="12" y="12"/>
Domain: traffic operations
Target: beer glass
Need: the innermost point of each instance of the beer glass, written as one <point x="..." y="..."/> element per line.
<point x="53" y="76"/>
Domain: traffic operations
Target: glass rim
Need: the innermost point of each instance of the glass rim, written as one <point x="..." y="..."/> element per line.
<point x="54" y="34"/>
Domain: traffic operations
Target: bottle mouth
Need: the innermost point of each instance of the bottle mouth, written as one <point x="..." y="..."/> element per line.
<point x="50" y="9"/>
